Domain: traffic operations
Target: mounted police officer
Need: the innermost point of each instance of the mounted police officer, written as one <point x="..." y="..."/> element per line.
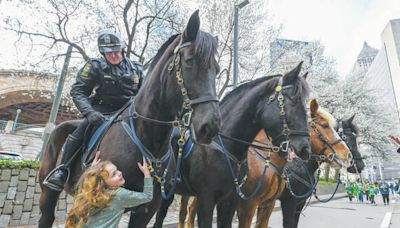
<point x="102" y="87"/>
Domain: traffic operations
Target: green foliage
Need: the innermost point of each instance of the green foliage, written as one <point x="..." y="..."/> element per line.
<point x="10" y="164"/>
<point x="330" y="181"/>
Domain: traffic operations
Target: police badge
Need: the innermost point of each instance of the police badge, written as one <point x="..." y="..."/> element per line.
<point x="135" y="78"/>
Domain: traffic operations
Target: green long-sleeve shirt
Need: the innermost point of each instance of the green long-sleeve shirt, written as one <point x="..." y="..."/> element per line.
<point x="110" y="216"/>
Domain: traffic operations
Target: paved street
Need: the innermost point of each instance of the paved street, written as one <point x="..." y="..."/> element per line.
<point x="336" y="213"/>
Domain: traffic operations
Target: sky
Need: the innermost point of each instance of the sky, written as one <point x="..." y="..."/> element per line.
<point x="341" y="26"/>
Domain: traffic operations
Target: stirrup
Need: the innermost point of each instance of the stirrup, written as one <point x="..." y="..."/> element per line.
<point x="52" y="186"/>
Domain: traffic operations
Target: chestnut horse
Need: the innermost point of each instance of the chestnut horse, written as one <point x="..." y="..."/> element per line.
<point x="292" y="206"/>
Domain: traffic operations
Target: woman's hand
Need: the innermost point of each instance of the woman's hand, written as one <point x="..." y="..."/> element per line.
<point x="144" y="168"/>
<point x="96" y="159"/>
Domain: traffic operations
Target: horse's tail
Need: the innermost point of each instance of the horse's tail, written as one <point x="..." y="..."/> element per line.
<point x="52" y="152"/>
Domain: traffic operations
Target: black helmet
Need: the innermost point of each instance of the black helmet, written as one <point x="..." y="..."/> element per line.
<point x="110" y="41"/>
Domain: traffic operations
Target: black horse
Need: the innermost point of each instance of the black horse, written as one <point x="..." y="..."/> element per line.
<point x="292" y="206"/>
<point x="179" y="91"/>
<point x="259" y="104"/>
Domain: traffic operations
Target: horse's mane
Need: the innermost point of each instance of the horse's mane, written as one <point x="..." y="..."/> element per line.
<point x="326" y="115"/>
<point x="244" y="88"/>
<point x="302" y="89"/>
<point x="161" y="51"/>
<point x="205" y="48"/>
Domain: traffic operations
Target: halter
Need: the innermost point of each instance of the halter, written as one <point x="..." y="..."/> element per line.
<point x="286" y="131"/>
<point x="284" y="146"/>
<point x="182" y="121"/>
<point x="327" y="144"/>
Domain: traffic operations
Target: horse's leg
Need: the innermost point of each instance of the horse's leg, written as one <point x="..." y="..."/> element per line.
<point x="288" y="205"/>
<point x="299" y="209"/>
<point x="141" y="217"/>
<point x="192" y="213"/>
<point x="183" y="211"/>
<point x="162" y="212"/>
<point x="47" y="204"/>
<point x="225" y="212"/>
<point x="246" y="211"/>
<point x="48" y="198"/>
<point x="205" y="209"/>
<point x="264" y="213"/>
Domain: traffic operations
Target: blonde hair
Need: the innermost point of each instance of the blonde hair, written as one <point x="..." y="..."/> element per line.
<point x="92" y="194"/>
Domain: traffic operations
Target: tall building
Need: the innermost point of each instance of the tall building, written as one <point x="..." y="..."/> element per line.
<point x="286" y="54"/>
<point x="364" y="59"/>
<point x="384" y="72"/>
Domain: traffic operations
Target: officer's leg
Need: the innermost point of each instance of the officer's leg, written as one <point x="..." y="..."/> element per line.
<point x="58" y="177"/>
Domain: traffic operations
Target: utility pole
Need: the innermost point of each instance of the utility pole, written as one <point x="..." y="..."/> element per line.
<point x="236" y="39"/>
<point x="56" y="103"/>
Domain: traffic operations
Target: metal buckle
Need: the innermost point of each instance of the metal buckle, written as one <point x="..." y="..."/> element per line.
<point x="284" y="146"/>
<point x="331" y="157"/>
<point x="186" y="119"/>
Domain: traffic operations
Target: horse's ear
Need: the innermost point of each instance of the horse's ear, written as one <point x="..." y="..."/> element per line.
<point x="314" y="106"/>
<point x="216" y="38"/>
<point x="192" y="28"/>
<point x="292" y="76"/>
<point x="305" y="76"/>
<point x="350" y="120"/>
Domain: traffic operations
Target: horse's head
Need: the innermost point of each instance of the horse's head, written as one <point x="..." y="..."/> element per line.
<point x="325" y="141"/>
<point x="284" y="114"/>
<point x="188" y="69"/>
<point x="348" y="131"/>
<point x="199" y="71"/>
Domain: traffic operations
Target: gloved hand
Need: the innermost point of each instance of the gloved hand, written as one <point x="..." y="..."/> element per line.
<point x="95" y="118"/>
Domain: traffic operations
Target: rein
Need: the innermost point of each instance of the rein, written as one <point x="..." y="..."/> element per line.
<point x="182" y="123"/>
<point x="284" y="146"/>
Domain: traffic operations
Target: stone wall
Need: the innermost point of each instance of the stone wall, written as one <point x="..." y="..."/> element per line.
<point x="19" y="198"/>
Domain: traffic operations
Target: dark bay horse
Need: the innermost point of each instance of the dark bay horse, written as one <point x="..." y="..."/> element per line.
<point x="291" y="206"/>
<point x="179" y="90"/>
<point x="272" y="103"/>
<point x="322" y="131"/>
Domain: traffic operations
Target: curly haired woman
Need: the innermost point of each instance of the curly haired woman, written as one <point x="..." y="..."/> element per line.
<point x="100" y="200"/>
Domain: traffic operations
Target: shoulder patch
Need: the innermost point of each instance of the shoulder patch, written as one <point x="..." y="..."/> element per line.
<point x="86" y="69"/>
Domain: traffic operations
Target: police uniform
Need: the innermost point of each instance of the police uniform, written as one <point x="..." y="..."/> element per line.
<point x="101" y="88"/>
<point x="113" y="85"/>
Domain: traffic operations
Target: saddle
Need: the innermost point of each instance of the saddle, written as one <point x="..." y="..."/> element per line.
<point x="93" y="137"/>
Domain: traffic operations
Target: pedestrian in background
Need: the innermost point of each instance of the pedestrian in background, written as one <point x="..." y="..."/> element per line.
<point x="371" y="193"/>
<point x="350" y="191"/>
<point x="361" y="191"/>
<point x="384" y="189"/>
<point x="366" y="189"/>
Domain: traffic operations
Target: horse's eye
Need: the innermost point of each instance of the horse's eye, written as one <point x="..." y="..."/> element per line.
<point x="189" y="61"/>
<point x="325" y="126"/>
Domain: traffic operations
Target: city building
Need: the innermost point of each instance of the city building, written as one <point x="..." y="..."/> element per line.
<point x="286" y="54"/>
<point x="384" y="71"/>
<point x="364" y="59"/>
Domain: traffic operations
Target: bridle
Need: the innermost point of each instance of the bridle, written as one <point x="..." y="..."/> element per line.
<point x="286" y="131"/>
<point x="327" y="144"/>
<point x="186" y="109"/>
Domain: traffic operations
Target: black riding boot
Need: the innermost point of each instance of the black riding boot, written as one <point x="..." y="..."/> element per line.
<point x="58" y="177"/>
